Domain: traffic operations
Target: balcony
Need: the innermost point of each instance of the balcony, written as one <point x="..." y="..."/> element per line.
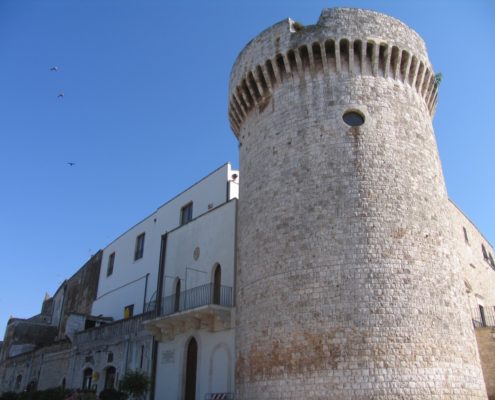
<point x="203" y="307"/>
<point x="483" y="316"/>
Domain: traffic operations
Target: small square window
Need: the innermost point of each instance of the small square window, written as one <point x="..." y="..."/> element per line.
<point x="128" y="311"/>
<point x="139" y="249"/>
<point x="186" y="213"/>
<point x="111" y="261"/>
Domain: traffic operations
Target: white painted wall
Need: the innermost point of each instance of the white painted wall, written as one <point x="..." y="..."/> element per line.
<point x="214" y="234"/>
<point x="126" y="285"/>
<point x="215" y="364"/>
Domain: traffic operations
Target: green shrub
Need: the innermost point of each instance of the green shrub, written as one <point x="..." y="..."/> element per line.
<point x="135" y="383"/>
<point x="297" y="26"/>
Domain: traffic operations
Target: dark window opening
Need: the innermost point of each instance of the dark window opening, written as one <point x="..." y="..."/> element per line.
<point x="482" y="315"/>
<point x="492" y="263"/>
<point x="142" y="357"/>
<point x="87" y="379"/>
<point x="110" y="378"/>
<point x="128" y="311"/>
<point x="353" y="118"/>
<point x="110" y="357"/>
<point x="18" y="382"/>
<point x="88" y="324"/>
<point x="111" y="261"/>
<point x="186" y="213"/>
<point x="177" y="296"/>
<point x="485" y="254"/>
<point x="217" y="282"/>
<point x="139" y="249"/>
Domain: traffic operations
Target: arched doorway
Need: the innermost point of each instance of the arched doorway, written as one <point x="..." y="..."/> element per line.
<point x="110" y="378"/>
<point x="87" y="379"/>
<point x="191" y="369"/>
<point x="217" y="284"/>
<point x="177" y="296"/>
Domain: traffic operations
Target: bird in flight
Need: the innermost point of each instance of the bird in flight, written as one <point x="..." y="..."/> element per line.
<point x="71" y="163"/>
<point x="60" y="95"/>
<point x="54" y="68"/>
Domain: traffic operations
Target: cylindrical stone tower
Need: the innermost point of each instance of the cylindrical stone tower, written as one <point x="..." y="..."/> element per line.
<point x="347" y="285"/>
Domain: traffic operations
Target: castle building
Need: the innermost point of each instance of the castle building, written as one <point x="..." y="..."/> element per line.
<point x="338" y="269"/>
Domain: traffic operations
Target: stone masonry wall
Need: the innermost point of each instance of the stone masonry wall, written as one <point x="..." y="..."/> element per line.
<point x="348" y="285"/>
<point x="486" y="344"/>
<point x="478" y="272"/>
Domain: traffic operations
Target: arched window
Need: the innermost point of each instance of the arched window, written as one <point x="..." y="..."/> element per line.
<point x="217" y="284"/>
<point x="177" y="296"/>
<point x="87" y="379"/>
<point x="18" y="381"/>
<point x="110" y="378"/>
<point x="191" y="369"/>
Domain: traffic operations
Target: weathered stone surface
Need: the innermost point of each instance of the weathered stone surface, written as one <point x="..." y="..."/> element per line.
<point x="348" y="285"/>
<point x="486" y="344"/>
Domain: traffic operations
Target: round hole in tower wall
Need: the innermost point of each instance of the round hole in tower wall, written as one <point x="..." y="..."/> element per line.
<point x="353" y="118"/>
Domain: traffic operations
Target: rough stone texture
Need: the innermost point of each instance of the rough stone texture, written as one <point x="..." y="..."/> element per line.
<point x="479" y="281"/>
<point x="478" y="271"/>
<point x="348" y="284"/>
<point x="486" y="344"/>
<point x="125" y="339"/>
<point x="80" y="290"/>
<point x="46" y="366"/>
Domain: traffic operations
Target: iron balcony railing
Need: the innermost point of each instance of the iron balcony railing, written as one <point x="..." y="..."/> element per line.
<point x="483" y="316"/>
<point x="196" y="297"/>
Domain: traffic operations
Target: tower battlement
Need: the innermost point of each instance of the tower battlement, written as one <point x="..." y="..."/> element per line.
<point x="339" y="44"/>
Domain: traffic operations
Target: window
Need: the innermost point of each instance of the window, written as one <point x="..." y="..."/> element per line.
<point x="492" y="263"/>
<point x="482" y="315"/>
<point x="353" y="118"/>
<point x="186" y="213"/>
<point x="466" y="239"/>
<point x="87" y="379"/>
<point x="111" y="261"/>
<point x="128" y="311"/>
<point x="485" y="254"/>
<point x="142" y="357"/>
<point x="18" y="381"/>
<point x="110" y="378"/>
<point x="177" y="296"/>
<point x="217" y="284"/>
<point x="110" y="357"/>
<point x="138" y="251"/>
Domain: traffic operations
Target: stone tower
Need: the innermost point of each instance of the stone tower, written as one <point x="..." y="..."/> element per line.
<point x="347" y="285"/>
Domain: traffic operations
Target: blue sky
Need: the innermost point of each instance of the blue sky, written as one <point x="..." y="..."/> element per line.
<point x="144" y="115"/>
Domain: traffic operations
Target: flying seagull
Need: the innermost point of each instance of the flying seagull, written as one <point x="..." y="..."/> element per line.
<point x="71" y="163"/>
<point x="60" y="95"/>
<point x="54" y="68"/>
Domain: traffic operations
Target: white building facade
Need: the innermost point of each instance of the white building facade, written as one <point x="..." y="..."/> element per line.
<point x="178" y="265"/>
